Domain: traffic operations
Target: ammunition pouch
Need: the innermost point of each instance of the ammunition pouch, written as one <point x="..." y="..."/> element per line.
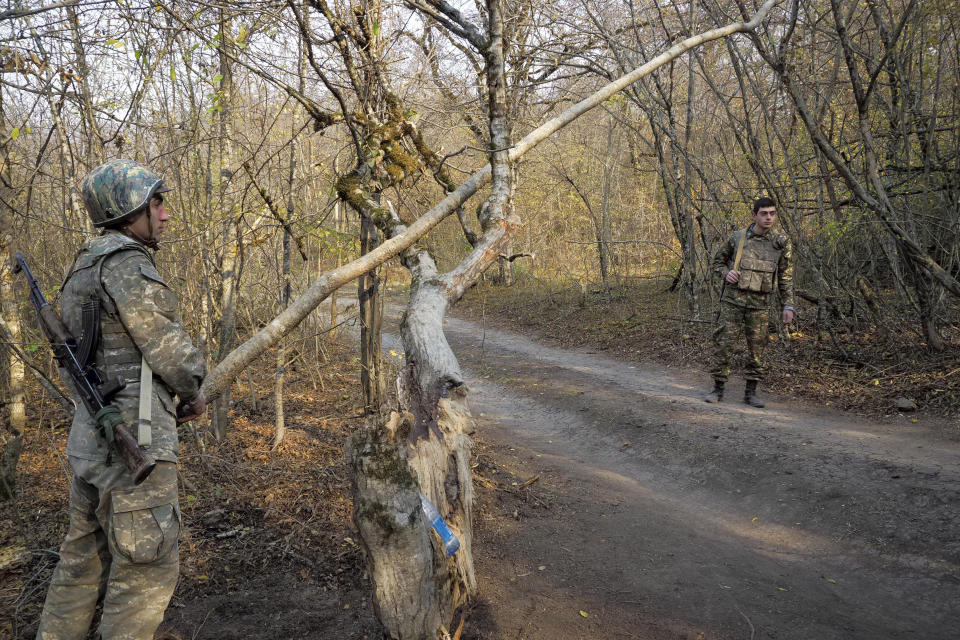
<point x="756" y="275"/>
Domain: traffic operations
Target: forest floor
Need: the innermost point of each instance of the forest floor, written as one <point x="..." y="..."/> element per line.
<point x="611" y="501"/>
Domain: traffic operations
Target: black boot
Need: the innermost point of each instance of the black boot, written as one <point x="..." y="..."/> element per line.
<point x="750" y="395"/>
<point x="717" y="394"/>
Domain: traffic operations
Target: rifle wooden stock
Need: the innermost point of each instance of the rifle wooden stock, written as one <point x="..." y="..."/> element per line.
<point x="138" y="462"/>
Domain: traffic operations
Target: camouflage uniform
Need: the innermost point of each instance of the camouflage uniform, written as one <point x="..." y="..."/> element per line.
<point x="121" y="545"/>
<point x="765" y="258"/>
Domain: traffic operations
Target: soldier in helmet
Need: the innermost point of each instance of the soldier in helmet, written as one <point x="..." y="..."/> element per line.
<point x="764" y="257"/>
<point x="121" y="546"/>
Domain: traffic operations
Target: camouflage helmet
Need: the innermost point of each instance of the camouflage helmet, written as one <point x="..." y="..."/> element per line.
<point x="119" y="189"/>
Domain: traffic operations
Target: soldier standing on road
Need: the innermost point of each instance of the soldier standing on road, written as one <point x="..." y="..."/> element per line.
<point x="121" y="546"/>
<point x="764" y="256"/>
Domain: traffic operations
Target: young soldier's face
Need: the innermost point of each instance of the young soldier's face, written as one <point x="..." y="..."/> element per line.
<point x="159" y="215"/>
<point x="764" y="218"/>
<point x="150" y="227"/>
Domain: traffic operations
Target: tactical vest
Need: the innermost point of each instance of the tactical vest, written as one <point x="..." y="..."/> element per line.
<point x="758" y="264"/>
<point x="115" y="353"/>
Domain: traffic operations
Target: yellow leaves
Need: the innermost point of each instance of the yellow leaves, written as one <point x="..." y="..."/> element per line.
<point x="584" y="614"/>
<point x="755" y="519"/>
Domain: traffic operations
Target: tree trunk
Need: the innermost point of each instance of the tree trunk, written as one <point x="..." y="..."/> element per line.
<point x="692" y="285"/>
<point x="371" y="324"/>
<point x="280" y="424"/>
<point x="232" y="243"/>
<point x="10" y="436"/>
<point x="338" y="223"/>
<point x="611" y="157"/>
<point x="285" y="291"/>
<point x="428" y="448"/>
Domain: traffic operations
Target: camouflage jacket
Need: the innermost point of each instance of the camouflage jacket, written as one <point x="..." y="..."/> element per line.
<point x="769" y="244"/>
<point x="138" y="319"/>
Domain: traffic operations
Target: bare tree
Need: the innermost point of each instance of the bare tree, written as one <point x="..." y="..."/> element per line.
<point x="11" y="386"/>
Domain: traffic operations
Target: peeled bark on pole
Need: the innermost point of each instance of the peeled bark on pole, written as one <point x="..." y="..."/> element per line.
<point x="387" y="513"/>
<point x="417" y="587"/>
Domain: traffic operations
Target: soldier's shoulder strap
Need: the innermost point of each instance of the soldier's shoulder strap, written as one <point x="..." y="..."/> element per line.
<point x="740" y="240"/>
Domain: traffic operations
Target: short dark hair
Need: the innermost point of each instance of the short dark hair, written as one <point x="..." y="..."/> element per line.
<point x="763" y="203"/>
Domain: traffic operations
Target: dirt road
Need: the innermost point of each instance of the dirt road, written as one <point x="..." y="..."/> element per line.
<point x="656" y="515"/>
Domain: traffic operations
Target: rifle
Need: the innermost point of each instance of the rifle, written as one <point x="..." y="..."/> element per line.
<point x="94" y="393"/>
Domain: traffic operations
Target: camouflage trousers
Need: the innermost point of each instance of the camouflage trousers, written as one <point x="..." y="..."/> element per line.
<point x="755" y="325"/>
<point x="121" y="548"/>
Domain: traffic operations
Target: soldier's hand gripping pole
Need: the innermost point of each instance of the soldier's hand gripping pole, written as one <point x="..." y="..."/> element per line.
<point x="93" y="392"/>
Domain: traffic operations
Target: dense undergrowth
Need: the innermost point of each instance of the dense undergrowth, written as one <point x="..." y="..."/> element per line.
<point x="862" y="370"/>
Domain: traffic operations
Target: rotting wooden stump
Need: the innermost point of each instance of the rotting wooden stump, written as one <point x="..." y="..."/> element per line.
<point x="417" y="587"/>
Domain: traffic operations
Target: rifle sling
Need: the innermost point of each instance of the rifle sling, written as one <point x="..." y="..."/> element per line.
<point x="144" y="434"/>
<point x="736" y="260"/>
<point x="736" y="265"/>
